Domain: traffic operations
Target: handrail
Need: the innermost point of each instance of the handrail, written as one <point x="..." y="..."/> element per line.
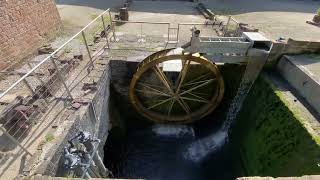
<point x="140" y="22"/>
<point x="47" y="58"/>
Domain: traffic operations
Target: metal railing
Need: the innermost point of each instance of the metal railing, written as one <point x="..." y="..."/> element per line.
<point x="143" y="29"/>
<point x="232" y="27"/>
<point x="29" y="98"/>
<point x="209" y="29"/>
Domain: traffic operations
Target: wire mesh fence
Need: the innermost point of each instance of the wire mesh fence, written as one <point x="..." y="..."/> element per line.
<point x="28" y="94"/>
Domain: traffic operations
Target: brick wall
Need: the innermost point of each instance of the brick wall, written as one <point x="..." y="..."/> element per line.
<point x="24" y="26"/>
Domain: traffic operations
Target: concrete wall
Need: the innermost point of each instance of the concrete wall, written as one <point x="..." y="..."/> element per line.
<point x="275" y="134"/>
<point x="24" y="26"/>
<point x="292" y="47"/>
<point x="296" y="70"/>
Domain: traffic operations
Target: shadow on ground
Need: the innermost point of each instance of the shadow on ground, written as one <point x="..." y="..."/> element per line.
<point x="218" y="6"/>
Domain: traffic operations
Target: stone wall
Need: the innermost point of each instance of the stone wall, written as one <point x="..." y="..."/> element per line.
<point x="292" y="47"/>
<point x="92" y="117"/>
<point x="274" y="134"/>
<point x="24" y="26"/>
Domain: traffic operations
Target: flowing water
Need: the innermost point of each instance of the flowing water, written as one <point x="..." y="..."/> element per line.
<point x="181" y="152"/>
<point x="164" y="152"/>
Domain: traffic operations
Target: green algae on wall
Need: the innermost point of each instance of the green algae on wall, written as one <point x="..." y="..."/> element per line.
<point x="270" y="139"/>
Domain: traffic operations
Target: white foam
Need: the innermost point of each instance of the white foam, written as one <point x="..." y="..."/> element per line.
<point x="173" y="131"/>
<point x="200" y="149"/>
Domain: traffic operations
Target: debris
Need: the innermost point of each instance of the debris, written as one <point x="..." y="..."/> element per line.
<point x="78" y="102"/>
<point x="124" y="14"/>
<point x="243" y="27"/>
<point x="96" y="38"/>
<point x="207" y="13"/>
<point x="313" y="23"/>
<point x="46" y="49"/>
<point x="89" y="86"/>
<point x="51" y="70"/>
<point x="76" y="105"/>
<point x="78" y="56"/>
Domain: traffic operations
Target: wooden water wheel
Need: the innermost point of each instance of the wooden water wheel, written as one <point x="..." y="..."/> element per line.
<point x="174" y="87"/>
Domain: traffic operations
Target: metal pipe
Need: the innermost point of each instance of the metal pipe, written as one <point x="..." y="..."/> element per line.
<point x="87" y="47"/>
<point x="227" y="26"/>
<point x="105" y="31"/>
<point x="61" y="78"/>
<point x="14" y="140"/>
<point x="178" y="31"/>
<point x="49" y="57"/>
<point x="138" y="22"/>
<point x="168" y="33"/>
<point x="85" y="171"/>
<point x="100" y="162"/>
<point x="184" y="24"/>
<point x="112" y="27"/>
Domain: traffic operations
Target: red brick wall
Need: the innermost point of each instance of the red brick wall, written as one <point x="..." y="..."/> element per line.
<point x="24" y="26"/>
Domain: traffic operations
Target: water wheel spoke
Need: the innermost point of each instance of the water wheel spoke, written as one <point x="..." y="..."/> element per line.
<point x="152" y="85"/>
<point x="163" y="78"/>
<point x="153" y="100"/>
<point x="171" y="106"/>
<point x="154" y="90"/>
<point x="196" y="87"/>
<point x="182" y="74"/>
<point x="151" y="92"/>
<point x="197" y="100"/>
<point x="199" y="93"/>
<point x="198" y="82"/>
<point x="198" y="78"/>
<point x="198" y="97"/>
<point x="184" y="105"/>
<point x="160" y="103"/>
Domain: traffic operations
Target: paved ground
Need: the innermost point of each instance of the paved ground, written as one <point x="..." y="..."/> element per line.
<point x="285" y="18"/>
<point x="273" y="17"/>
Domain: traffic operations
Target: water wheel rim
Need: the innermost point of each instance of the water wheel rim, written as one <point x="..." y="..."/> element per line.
<point x="177" y="119"/>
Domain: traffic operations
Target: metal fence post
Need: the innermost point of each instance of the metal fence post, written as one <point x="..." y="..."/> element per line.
<point x="227" y="26"/>
<point x="105" y="31"/>
<point x="178" y="31"/>
<point x="14" y="140"/>
<point x="112" y="26"/>
<point x="168" y="33"/>
<point x="61" y="78"/>
<point x="87" y="47"/>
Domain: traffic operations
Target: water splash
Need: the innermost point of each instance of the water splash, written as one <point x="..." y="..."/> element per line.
<point x="200" y="149"/>
<point x="176" y="131"/>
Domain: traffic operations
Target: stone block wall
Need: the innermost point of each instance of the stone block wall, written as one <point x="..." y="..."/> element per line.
<point x="292" y="47"/>
<point x="24" y="26"/>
